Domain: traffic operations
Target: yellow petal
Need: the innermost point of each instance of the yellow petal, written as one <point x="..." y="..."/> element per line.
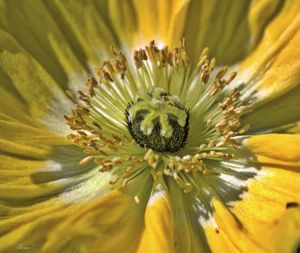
<point x="276" y="114"/>
<point x="123" y="18"/>
<point x="285" y="235"/>
<point x="277" y="149"/>
<point x="267" y="198"/>
<point x="160" y="20"/>
<point x="25" y="134"/>
<point x="252" y="224"/>
<point x="28" y="141"/>
<point x="23" y="150"/>
<point x="265" y="202"/>
<point x="229" y="29"/>
<point x="112" y="223"/>
<point x="40" y="172"/>
<point x="225" y="234"/>
<point x="88" y="23"/>
<point x="231" y="236"/>
<point x="42" y="37"/>
<point x="44" y="98"/>
<point x="188" y="233"/>
<point x="12" y="107"/>
<point x="271" y="192"/>
<point x="260" y="14"/>
<point x="92" y="226"/>
<point x="158" y="235"/>
<point x="273" y="68"/>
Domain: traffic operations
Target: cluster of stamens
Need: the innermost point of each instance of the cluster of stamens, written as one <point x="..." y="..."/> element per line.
<point x="125" y="153"/>
<point x="162" y="57"/>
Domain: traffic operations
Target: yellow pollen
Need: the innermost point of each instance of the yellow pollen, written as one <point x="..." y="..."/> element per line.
<point x="136" y="199"/>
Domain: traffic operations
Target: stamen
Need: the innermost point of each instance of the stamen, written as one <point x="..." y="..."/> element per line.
<point x="136" y="199"/>
<point x="150" y="114"/>
<point x="86" y="160"/>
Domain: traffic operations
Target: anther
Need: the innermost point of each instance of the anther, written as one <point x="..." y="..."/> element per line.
<point x="71" y="96"/>
<point x="86" y="160"/>
<point x="136" y="199"/>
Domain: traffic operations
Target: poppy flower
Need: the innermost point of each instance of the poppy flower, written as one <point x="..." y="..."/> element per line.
<point x="149" y="126"/>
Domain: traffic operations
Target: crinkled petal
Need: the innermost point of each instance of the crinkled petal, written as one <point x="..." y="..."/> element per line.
<point x="113" y="223"/>
<point x="256" y="222"/>
<point x="272" y="74"/>
<point x="28" y="135"/>
<point x="31" y="187"/>
<point x="110" y="224"/>
<point x="270" y="194"/>
<point x="40" y="173"/>
<point x="273" y="68"/>
<point x="53" y="50"/>
<point x="260" y="14"/>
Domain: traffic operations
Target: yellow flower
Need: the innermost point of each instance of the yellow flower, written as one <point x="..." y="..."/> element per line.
<point x="165" y="149"/>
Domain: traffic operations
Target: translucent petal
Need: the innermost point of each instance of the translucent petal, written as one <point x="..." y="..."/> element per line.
<point x="229" y="28"/>
<point x="168" y="16"/>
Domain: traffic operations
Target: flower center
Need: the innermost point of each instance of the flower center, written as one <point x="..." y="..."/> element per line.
<point x="184" y="118"/>
<point x="157" y="120"/>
